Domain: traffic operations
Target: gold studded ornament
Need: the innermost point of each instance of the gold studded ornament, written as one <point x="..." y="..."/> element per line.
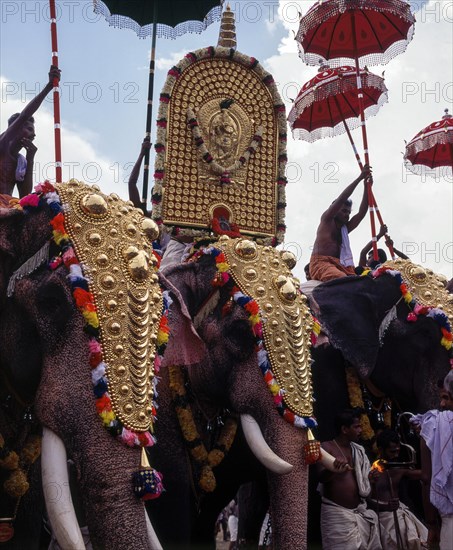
<point x="262" y="273"/>
<point x="428" y="288"/>
<point x="113" y="241"/>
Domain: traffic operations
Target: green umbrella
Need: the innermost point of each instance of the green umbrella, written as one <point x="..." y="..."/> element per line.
<point x="158" y="18"/>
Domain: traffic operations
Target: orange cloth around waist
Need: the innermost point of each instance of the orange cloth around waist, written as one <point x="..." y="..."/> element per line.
<point x="327" y="268"/>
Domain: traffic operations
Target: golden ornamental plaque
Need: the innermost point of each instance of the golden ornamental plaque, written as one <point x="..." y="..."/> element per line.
<point x="221" y="147"/>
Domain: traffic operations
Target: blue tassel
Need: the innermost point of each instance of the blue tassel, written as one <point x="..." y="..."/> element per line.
<point x="147" y="481"/>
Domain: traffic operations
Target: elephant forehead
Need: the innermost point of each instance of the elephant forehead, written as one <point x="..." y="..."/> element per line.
<point x="262" y="273"/>
<point x="112" y="240"/>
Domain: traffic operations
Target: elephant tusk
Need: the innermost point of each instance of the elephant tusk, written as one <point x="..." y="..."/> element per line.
<point x="57" y="494"/>
<point x="153" y="540"/>
<point x="260" y="448"/>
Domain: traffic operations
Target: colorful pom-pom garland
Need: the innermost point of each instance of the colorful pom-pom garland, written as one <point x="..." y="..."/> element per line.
<point x="418" y="309"/>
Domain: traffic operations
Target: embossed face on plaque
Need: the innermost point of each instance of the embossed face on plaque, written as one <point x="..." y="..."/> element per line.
<point x="191" y="185"/>
<point x="227" y="132"/>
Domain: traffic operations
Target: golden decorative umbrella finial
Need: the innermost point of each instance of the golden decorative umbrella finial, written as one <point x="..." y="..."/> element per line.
<point x="227" y="35"/>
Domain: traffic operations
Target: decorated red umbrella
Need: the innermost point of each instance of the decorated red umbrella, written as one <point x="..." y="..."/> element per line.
<point x="342" y="31"/>
<point x="327" y="105"/>
<point x="362" y="31"/>
<point x="158" y="18"/>
<point x="431" y="150"/>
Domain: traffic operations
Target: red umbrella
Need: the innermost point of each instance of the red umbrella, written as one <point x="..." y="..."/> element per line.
<point x="327" y="105"/>
<point x="431" y="150"/>
<point x="371" y="31"/>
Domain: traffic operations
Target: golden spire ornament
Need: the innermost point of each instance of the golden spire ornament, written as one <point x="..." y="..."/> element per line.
<point x="227" y="36"/>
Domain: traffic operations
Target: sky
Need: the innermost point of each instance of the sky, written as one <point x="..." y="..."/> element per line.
<point x="103" y="108"/>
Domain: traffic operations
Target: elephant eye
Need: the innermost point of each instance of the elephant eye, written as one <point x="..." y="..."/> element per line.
<point x="239" y="339"/>
<point x="53" y="300"/>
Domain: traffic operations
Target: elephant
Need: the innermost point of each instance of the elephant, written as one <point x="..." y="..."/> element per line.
<point x="46" y="347"/>
<point x="230" y="379"/>
<point x="404" y="363"/>
<point x="46" y="387"/>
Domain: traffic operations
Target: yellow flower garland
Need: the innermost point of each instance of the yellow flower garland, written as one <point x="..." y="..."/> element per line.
<point x="207" y="481"/>
<point x="17" y="485"/>
<point x="356" y="401"/>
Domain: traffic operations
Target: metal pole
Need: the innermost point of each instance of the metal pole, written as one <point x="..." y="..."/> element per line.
<point x="56" y="93"/>
<point x="149" y="111"/>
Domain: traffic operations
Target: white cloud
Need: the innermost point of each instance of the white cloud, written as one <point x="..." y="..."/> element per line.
<point x="166" y="63"/>
<point x="418" y="213"/>
<point x="79" y="157"/>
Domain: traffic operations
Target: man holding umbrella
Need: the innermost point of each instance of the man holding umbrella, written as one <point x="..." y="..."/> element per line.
<point x="332" y="255"/>
<point x="15" y="169"/>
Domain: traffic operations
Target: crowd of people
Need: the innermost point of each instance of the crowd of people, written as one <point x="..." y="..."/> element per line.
<point x="361" y="507"/>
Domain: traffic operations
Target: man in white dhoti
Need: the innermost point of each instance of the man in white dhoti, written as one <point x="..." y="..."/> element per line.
<point x="346" y="523"/>
<point x="398" y="526"/>
<point x="437" y="466"/>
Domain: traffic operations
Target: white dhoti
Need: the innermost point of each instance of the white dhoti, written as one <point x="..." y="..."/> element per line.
<point x="414" y="534"/>
<point x="348" y="529"/>
<point x="446" y="533"/>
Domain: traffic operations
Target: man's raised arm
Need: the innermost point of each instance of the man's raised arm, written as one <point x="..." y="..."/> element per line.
<point x="335" y="207"/>
<point x="28" y="111"/>
<point x="357" y="218"/>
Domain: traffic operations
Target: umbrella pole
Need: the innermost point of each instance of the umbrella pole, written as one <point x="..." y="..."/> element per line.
<point x="364" y="139"/>
<point x="359" y="162"/>
<point x="149" y="110"/>
<point x="348" y="132"/>
<point x="56" y="93"/>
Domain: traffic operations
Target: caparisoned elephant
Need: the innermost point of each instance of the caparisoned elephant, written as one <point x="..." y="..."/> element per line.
<point x="59" y="323"/>
<point x="367" y="322"/>
<point x="53" y="368"/>
<point x="228" y="383"/>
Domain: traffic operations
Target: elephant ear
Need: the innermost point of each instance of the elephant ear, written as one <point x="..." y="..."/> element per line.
<point x="10" y="221"/>
<point x="185" y="347"/>
<point x="352" y="310"/>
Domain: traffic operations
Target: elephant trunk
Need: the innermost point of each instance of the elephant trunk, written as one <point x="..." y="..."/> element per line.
<point x="115" y="517"/>
<point x="289" y="493"/>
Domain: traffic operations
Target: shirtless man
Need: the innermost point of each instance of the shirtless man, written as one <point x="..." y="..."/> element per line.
<point x="366" y="256"/>
<point x="15" y="169"/>
<point x="399" y="527"/>
<point x="346" y="523"/>
<point x="332" y="256"/>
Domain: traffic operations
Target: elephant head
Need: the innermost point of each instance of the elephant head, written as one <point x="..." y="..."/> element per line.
<point x="382" y="332"/>
<point x="51" y="330"/>
<point x="235" y="290"/>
